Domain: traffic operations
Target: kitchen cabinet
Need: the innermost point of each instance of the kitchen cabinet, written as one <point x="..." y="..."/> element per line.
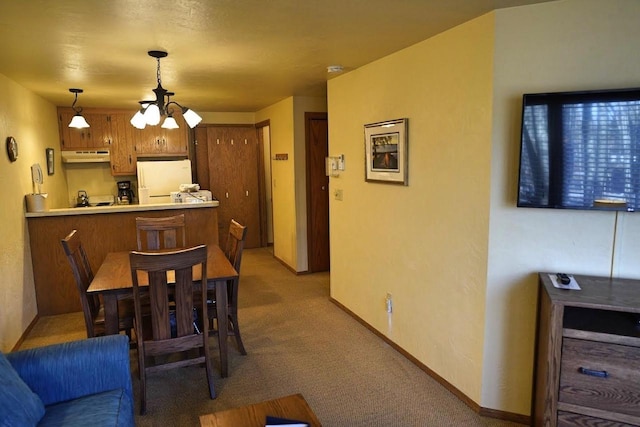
<point x="96" y="136"/>
<point x="587" y="368"/>
<point x="111" y="129"/>
<point x="232" y="173"/>
<point x="157" y="141"/>
<point x="123" y="154"/>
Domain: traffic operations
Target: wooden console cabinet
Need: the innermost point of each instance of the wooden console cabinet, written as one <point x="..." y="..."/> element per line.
<point x="587" y="369"/>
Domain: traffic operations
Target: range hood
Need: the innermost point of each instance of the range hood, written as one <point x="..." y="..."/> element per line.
<point x="85" y="156"/>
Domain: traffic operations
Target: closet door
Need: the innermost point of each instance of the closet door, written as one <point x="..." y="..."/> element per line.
<point x="233" y="179"/>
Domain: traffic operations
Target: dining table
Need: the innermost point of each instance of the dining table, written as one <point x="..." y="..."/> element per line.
<point x="113" y="282"/>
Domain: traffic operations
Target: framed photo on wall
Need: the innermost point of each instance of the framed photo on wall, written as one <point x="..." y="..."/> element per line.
<point x="386" y="152"/>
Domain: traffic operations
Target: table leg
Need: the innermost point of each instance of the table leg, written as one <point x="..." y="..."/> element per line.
<point x="221" y="313"/>
<point x="110" y="301"/>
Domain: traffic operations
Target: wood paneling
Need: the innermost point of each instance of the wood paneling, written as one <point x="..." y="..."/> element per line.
<point x="56" y="291"/>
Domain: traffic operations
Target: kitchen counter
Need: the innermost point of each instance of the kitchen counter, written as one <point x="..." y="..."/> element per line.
<point x="102" y="229"/>
<point x="120" y="208"/>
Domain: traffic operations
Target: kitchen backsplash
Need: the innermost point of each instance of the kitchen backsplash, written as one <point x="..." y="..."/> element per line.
<point x="95" y="179"/>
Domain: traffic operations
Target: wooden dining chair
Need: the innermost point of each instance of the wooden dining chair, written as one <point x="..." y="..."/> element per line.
<point x="170" y="327"/>
<point x="233" y="251"/>
<point x="92" y="306"/>
<point x="161" y="233"/>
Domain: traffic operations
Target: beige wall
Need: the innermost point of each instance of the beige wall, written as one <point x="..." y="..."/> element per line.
<point x="426" y="243"/>
<point x="564" y="45"/>
<point x="32" y="122"/>
<point x="288" y="185"/>
<point x="461" y="263"/>
<point x="281" y="120"/>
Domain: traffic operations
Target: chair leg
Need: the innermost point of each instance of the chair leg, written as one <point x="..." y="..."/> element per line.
<point x="233" y="323"/>
<point x="142" y="373"/>
<point x="209" y="369"/>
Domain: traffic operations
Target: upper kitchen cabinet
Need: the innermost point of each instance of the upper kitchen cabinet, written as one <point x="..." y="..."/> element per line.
<point x="156" y="141"/>
<point x="97" y="135"/>
<point x="123" y="154"/>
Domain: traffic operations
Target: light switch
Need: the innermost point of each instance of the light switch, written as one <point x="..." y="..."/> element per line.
<point x="337" y="194"/>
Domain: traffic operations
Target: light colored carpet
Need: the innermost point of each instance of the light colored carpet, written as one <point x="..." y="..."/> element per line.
<point x="297" y="342"/>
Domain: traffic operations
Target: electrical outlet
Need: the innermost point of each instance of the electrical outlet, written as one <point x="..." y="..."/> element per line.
<point x="389" y="303"/>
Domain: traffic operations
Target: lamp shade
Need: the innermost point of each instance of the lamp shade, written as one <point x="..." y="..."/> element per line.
<point x="191" y="117"/>
<point x="78" y="122"/>
<point x="138" y="121"/>
<point x="170" y="123"/>
<point x="152" y="115"/>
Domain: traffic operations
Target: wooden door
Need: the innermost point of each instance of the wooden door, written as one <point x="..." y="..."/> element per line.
<point x="200" y="158"/>
<point x="232" y="153"/>
<point x="123" y="157"/>
<point x="317" y="149"/>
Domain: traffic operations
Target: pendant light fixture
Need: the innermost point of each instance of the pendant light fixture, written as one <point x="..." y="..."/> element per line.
<point x="151" y="112"/>
<point x="77" y="121"/>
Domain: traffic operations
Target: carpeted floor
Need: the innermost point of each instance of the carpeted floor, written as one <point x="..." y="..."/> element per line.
<point x="297" y="342"/>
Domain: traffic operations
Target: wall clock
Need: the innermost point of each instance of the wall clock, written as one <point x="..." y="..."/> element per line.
<point x="12" y="149"/>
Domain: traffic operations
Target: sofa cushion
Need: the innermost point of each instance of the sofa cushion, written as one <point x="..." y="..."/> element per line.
<point x="109" y="408"/>
<point x="19" y="406"/>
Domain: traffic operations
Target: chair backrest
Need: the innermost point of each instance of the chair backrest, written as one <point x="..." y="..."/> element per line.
<point x="235" y="243"/>
<point x="233" y="251"/>
<point x="164" y="269"/>
<point x="83" y="276"/>
<point x="161" y="233"/>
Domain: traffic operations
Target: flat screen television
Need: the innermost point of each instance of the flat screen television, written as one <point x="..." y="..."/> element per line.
<point x="580" y="150"/>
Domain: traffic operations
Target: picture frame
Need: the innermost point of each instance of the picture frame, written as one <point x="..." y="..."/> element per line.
<point x="386" y="152"/>
<point x="49" y="154"/>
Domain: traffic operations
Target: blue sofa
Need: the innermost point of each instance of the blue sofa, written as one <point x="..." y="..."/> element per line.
<point x="80" y="383"/>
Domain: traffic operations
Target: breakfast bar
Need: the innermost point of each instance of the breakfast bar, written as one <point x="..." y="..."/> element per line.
<point x="104" y="229"/>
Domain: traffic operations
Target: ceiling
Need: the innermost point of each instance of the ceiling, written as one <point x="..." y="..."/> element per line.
<point x="224" y="55"/>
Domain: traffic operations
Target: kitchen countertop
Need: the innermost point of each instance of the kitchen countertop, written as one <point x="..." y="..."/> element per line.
<point x="120" y="208"/>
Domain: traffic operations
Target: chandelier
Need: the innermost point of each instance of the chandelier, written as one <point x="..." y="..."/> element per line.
<point x="151" y="112"/>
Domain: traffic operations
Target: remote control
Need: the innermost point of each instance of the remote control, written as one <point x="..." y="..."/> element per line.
<point x="563" y="278"/>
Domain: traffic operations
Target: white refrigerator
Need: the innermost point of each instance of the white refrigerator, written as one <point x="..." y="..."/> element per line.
<point x="157" y="179"/>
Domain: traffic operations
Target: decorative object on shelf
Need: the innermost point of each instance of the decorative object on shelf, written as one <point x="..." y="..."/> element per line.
<point x="77" y="121"/>
<point x="386" y="155"/>
<point x="151" y="112"/>
<point x="12" y="148"/>
<point x="50" y="160"/>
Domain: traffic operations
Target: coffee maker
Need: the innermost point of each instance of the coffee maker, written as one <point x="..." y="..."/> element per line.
<point x="125" y="193"/>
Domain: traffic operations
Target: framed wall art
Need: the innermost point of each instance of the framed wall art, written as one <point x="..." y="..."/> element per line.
<point x="386" y="152"/>
<point x="49" y="153"/>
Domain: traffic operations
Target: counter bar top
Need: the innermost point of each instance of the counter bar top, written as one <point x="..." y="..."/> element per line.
<point x="120" y="208"/>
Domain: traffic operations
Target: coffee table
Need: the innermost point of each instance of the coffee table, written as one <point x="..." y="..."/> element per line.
<point x="292" y="407"/>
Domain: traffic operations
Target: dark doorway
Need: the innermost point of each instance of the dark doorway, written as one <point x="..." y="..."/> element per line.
<point x="317" y="149"/>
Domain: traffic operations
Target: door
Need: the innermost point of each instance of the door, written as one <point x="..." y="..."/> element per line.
<point x="317" y="148"/>
<point x="233" y="164"/>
